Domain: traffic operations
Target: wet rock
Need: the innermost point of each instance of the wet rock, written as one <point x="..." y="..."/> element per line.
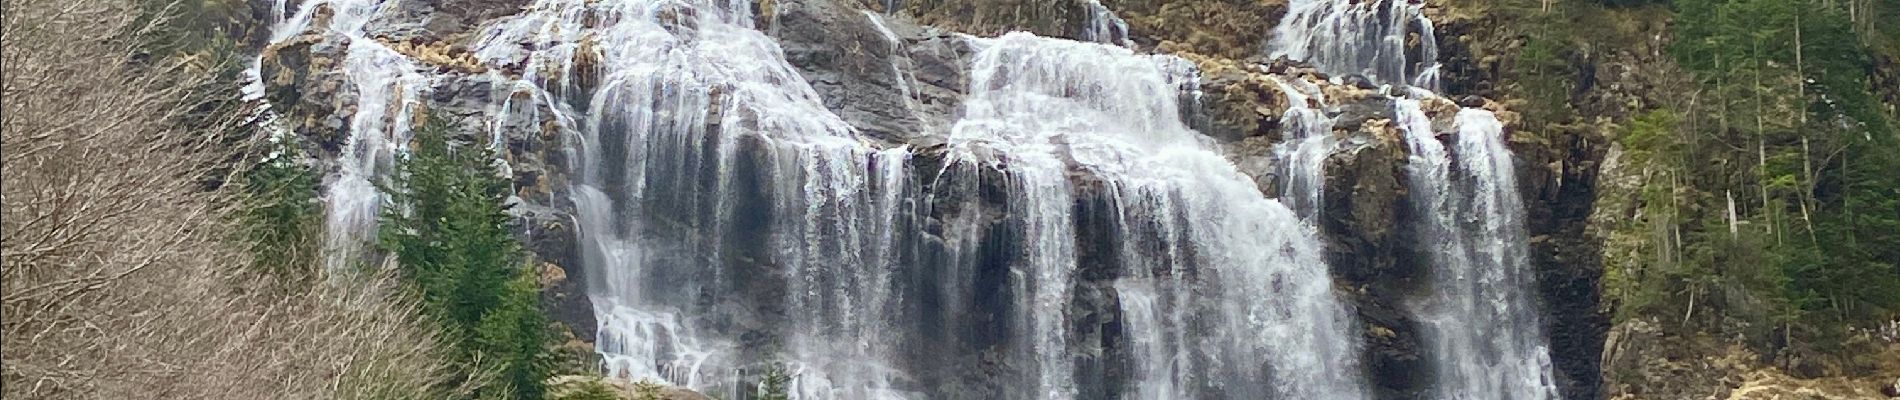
<point x="1364" y="209"/>
<point x="1351" y="116"/>
<point x="447" y="20"/>
<point x="1239" y="103"/>
<point x="896" y="91"/>
<point x="680" y="19"/>
<point x="1471" y="102"/>
<point x="1358" y="82"/>
<point x="1050" y="18"/>
<point x="301" y="86"/>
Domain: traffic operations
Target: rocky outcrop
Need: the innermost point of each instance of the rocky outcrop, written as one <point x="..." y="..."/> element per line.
<point x="1378" y="263"/>
<point x="1052" y="18"/>
<point x="1642" y="361"/>
<point x="889" y="78"/>
<point x="1242" y="102"/>
<point x="1231" y="29"/>
<point x="300" y="86"/>
<point x="1558" y="184"/>
<point x="450" y="21"/>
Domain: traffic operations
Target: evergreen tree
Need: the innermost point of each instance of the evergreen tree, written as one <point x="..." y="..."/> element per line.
<point x="279" y="216"/>
<point x="449" y="228"/>
<point x="1768" y="202"/>
<point x="772" y="386"/>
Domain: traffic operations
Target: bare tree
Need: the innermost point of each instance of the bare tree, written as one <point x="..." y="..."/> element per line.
<point x="118" y="279"/>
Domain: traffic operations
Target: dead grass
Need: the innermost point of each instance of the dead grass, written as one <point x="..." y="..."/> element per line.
<point x="118" y="281"/>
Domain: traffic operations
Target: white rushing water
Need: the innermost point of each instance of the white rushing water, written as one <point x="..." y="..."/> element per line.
<point x="1480" y="329"/>
<point x="692" y="109"/>
<point x="1478" y="321"/>
<point x="727" y="222"/>
<point x="1236" y="303"/>
<point x="1369" y="38"/>
<point x="1103" y="26"/>
<point x="387" y="88"/>
<point x="1308" y="140"/>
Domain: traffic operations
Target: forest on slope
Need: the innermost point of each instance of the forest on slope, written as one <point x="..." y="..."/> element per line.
<point x="1747" y="206"/>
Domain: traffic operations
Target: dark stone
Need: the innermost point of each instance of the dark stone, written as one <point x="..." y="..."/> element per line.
<point x="1558" y="183"/>
<point x="1471" y="101"/>
<point x="440" y="19"/>
<point x="864" y="77"/>
<point x="1351" y="116"/>
<point x="1364" y="210"/>
<point x="1359" y="81"/>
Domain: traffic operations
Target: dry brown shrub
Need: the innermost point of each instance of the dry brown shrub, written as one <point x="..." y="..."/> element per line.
<point x="118" y="279"/>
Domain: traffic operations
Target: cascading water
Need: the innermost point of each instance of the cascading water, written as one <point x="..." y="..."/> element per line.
<point x="698" y="125"/>
<point x="1309" y="139"/>
<point x="1225" y="291"/>
<point x="1103" y="26"/>
<point x="1480" y="329"/>
<point x="1478" y="320"/>
<point x="1388" y="41"/>
<point x="387" y="87"/>
<point x="700" y="149"/>
<point x="727" y="220"/>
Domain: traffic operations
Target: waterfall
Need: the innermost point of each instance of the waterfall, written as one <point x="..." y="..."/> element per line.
<point x="1478" y="321"/>
<point x="388" y="89"/>
<point x="700" y="161"/>
<point x="1103" y="26"/>
<point x="1236" y="291"/>
<point x="1069" y="237"/>
<point x="1302" y="156"/>
<point x="1480" y="329"/>
<point x="707" y="167"/>
<point x="1387" y="41"/>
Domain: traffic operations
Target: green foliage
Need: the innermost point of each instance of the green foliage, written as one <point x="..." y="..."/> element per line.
<point x="515" y="336"/>
<point x="448" y="226"/>
<point x="1768" y="199"/>
<point x="279" y="216"/>
<point x="590" y="389"/>
<point x="773" y="385"/>
<point x="1628" y="3"/>
<point x="646" y="390"/>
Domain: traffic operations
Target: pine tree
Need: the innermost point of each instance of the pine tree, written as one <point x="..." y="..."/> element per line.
<point x="773" y="385"/>
<point x="279" y="216"/>
<point x="1788" y="125"/>
<point x="449" y="228"/>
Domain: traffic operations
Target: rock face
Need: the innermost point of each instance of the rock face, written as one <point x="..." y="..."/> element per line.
<point x="1232" y="29"/>
<point x="890" y="79"/>
<point x="1364" y="216"/>
<point x="1558" y="181"/>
